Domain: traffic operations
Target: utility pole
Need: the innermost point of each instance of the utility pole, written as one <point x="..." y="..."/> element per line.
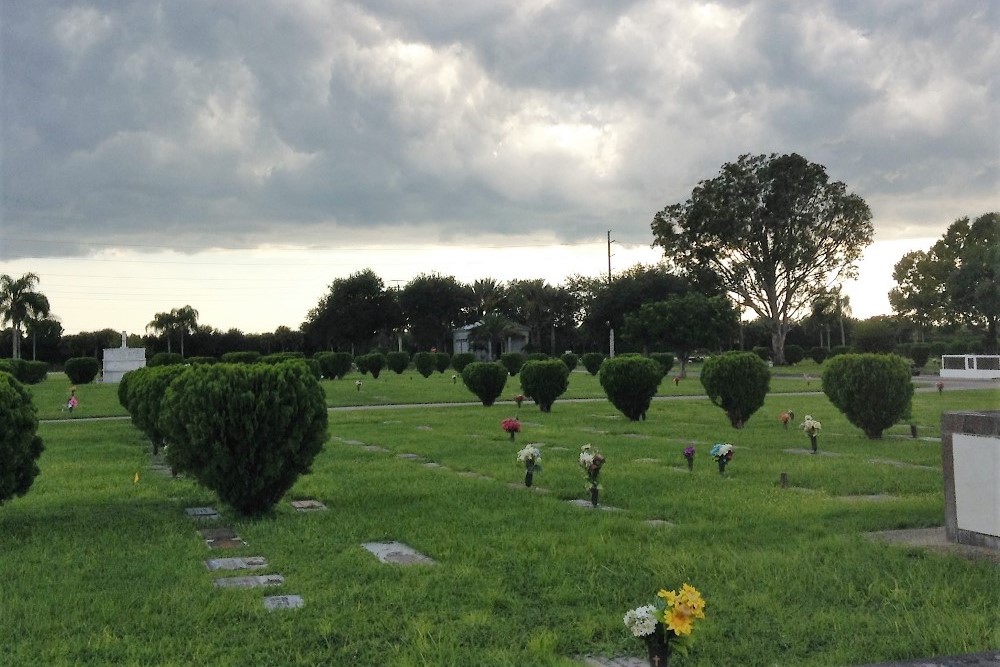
<point x="399" y="332"/>
<point x="611" y="329"/>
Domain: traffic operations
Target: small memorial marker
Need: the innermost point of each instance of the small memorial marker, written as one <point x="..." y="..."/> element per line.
<point x="616" y="661"/>
<point x="206" y="513"/>
<point x="398" y="553"/>
<point x="647" y="460"/>
<point x="217" y="533"/>
<point x="871" y="498"/>
<point x="901" y="464"/>
<point x="409" y="457"/>
<point x="424" y="428"/>
<point x="283" y="602"/>
<point x="810" y="452"/>
<point x="249" y="563"/>
<point x="250" y="582"/>
<point x="308" y="505"/>
<point x="353" y="442"/>
<point x="374" y="448"/>
<point x="431" y="464"/>
<point x="659" y="523"/>
<point x="580" y="502"/>
<point x="225" y="543"/>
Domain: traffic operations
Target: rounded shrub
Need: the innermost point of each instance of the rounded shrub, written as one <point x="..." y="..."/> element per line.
<point x="278" y="357"/>
<point x="592" y="362"/>
<point x="544" y="381"/>
<point x="20" y="445"/>
<point x="630" y="384"/>
<point x="738" y="383"/>
<point x="461" y="360"/>
<point x="838" y="350"/>
<point x="874" y="391"/>
<point x="334" y="364"/>
<point x="398" y="362"/>
<point x="818" y="354"/>
<point x="794" y="354"/>
<point x="123" y="389"/>
<point x="512" y="361"/>
<point x="245" y="431"/>
<point x="361" y="361"/>
<point x="485" y="379"/>
<point x="762" y="352"/>
<point x="665" y="359"/>
<point x="920" y="353"/>
<point x="441" y="361"/>
<point x="248" y="357"/>
<point x="32" y="372"/>
<point x="195" y="361"/>
<point x="81" y="370"/>
<point x="165" y="359"/>
<point x="376" y="362"/>
<point x="146" y="389"/>
<point x="425" y="363"/>
<point x="536" y="356"/>
<point x="571" y="361"/>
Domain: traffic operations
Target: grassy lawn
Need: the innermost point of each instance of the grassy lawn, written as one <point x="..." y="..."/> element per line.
<point x="97" y="569"/>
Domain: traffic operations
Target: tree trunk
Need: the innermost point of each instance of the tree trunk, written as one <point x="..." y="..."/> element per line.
<point x="778" y="345"/>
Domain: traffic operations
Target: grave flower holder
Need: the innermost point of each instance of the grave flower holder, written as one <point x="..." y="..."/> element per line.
<point x="658" y="650"/>
<point x="529" y="472"/>
<point x="594" y="493"/>
<point x="813" y="442"/>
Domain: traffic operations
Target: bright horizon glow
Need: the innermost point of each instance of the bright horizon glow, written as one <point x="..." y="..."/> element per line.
<point x="256" y="291"/>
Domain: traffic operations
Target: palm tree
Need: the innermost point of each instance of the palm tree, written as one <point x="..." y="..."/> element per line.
<point x="494" y="327"/>
<point x="19" y="303"/>
<point x="488" y="296"/>
<point x="186" y="320"/>
<point x="163" y="323"/>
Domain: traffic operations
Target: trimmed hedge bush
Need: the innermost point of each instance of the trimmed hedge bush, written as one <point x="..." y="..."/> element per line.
<point x="375" y="362"/>
<point x="195" y="361"/>
<point x="592" y="362"/>
<point x="920" y="353"/>
<point x="512" y="361"/>
<point x="165" y="359"/>
<point x="25" y="372"/>
<point x="665" y="359"/>
<point x="762" y="352"/>
<point x="461" y="360"/>
<point x="334" y="364"/>
<point x="794" y="354"/>
<point x="146" y="389"/>
<point x="441" y="361"/>
<point x="630" y="384"/>
<point x="246" y="432"/>
<point x="361" y="361"/>
<point x="818" y="354"/>
<point x="838" y="350"/>
<point x="278" y="357"/>
<point x="536" y="356"/>
<point x="738" y="383"/>
<point x="543" y="381"/>
<point x="248" y="357"/>
<point x="20" y="445"/>
<point x="123" y="389"/>
<point x="874" y="391"/>
<point x="571" y="361"/>
<point x="425" y="363"/>
<point x="485" y="379"/>
<point x="398" y="362"/>
<point x="81" y="370"/>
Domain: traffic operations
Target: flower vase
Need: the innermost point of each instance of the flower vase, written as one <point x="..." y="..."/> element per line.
<point x="593" y="495"/>
<point x="913" y="431"/>
<point x="529" y="473"/>
<point x="812" y="441"/>
<point x="512" y="436"/>
<point x="722" y="465"/>
<point x="691" y="465"/>
<point x="659" y="651"/>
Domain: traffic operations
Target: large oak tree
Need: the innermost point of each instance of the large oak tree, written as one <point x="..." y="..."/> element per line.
<point x="774" y="230"/>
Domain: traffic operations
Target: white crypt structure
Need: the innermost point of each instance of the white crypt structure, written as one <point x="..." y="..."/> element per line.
<point x="120" y="360"/>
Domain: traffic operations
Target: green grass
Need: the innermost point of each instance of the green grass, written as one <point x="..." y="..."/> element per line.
<point x="99" y="570"/>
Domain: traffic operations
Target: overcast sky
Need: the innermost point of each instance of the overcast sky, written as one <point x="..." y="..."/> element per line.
<point x="260" y="149"/>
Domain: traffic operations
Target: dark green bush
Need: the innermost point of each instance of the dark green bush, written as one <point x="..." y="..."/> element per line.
<point x="903" y="349"/>
<point x="441" y="361"/>
<point x="248" y="357"/>
<point x="512" y="361"/>
<point x="81" y="370"/>
<point x="794" y="354"/>
<point x="246" y="432"/>
<point x="664" y="359"/>
<point x="146" y="389"/>
<point x="424" y="362"/>
<point x="165" y="359"/>
<point x="278" y="357"/>
<point x="818" y="354"/>
<point x="536" y="356"/>
<point x="592" y="362"/>
<point x="938" y="348"/>
<point x="33" y="372"/>
<point x="312" y="365"/>
<point x="334" y="364"/>
<point x="195" y="361"/>
<point x="571" y="361"/>
<point x="738" y="383"/>
<point x="361" y="361"/>
<point x="461" y="360"/>
<point x="920" y="353"/>
<point x="397" y="362"/>
<point x="874" y="391"/>
<point x="838" y="350"/>
<point x="485" y="379"/>
<point x="20" y="445"/>
<point x="630" y="384"/>
<point x="375" y="362"/>
<point x="9" y="366"/>
<point x="544" y="381"/>
<point x="123" y="390"/>
<point x="762" y="352"/>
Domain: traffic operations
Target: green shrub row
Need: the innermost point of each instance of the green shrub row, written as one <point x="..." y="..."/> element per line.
<point x="25" y="371"/>
<point x="20" y="445"/>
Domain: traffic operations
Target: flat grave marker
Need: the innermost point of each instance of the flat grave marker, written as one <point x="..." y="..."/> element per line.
<point x="225" y="543"/>
<point x="275" y="602"/>
<point x="409" y="457"/>
<point x="308" y="505"/>
<point x="397" y="553"/>
<point x="580" y="502"/>
<point x="250" y="582"/>
<point x="374" y="448"/>
<point x="219" y="533"/>
<point x="248" y="563"/>
<point x="202" y="513"/>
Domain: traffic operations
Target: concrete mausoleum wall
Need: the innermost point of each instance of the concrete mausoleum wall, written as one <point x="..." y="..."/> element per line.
<point x="970" y="458"/>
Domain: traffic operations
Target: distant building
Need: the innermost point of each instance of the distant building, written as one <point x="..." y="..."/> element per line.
<point x="514" y="341"/>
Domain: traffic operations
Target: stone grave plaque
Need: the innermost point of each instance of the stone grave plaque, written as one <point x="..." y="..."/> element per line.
<point x="871" y="498"/>
<point x="409" y="457"/>
<point x="217" y="533"/>
<point x="374" y="448"/>
<point x="250" y="582"/>
<point x="580" y="502"/>
<point x="472" y="474"/>
<point x="615" y="661"/>
<point x="283" y="602"/>
<point x="809" y="451"/>
<point x="902" y="464"/>
<point x="206" y="513"/>
<point x="647" y="460"/>
<point x="248" y="563"/>
<point x="659" y="523"/>
<point x="424" y="428"/>
<point x="225" y="543"/>
<point x="353" y="442"/>
<point x="431" y="464"/>
<point x="558" y="449"/>
<point x="398" y="553"/>
<point x="308" y="505"/>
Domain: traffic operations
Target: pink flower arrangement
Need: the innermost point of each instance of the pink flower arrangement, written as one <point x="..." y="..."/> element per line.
<point x="511" y="425"/>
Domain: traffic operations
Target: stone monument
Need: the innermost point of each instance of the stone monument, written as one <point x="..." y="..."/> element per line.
<point x="120" y="360"/>
<point x="970" y="458"/>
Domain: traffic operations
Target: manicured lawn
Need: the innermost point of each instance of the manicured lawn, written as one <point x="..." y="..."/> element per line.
<point x="97" y="569"/>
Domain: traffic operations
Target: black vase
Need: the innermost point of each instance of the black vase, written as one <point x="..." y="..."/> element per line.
<point x="529" y="473"/>
<point x="593" y="495"/>
<point x="812" y="441"/>
<point x="659" y="651"/>
<point x="722" y="465"/>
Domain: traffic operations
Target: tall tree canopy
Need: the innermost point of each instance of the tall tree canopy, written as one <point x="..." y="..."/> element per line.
<point x="956" y="281"/>
<point x="19" y="302"/>
<point x="774" y="230"/>
<point x="353" y="312"/>
<point x="433" y="305"/>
